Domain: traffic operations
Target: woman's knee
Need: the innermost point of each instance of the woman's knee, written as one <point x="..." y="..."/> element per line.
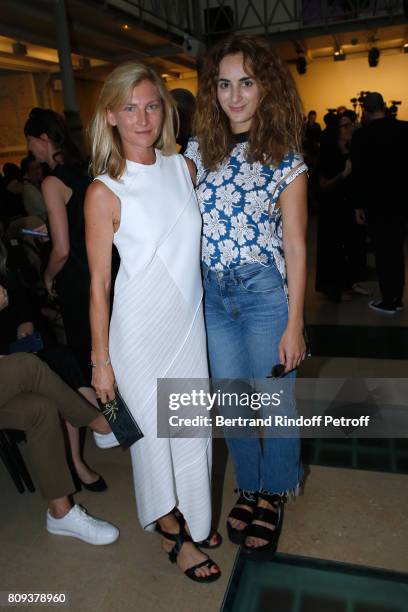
<point x="28" y="365"/>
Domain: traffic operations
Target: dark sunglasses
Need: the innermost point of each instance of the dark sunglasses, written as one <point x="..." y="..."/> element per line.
<point x="278" y="371"/>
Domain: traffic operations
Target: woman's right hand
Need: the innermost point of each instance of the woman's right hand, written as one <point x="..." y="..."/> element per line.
<point x="103" y="381"/>
<point x="49" y="285"/>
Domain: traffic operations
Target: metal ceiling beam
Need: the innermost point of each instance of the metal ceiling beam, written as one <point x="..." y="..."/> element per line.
<point x="165" y="51"/>
<point x="159" y="10"/>
<point x="123" y="42"/>
<point x="35" y="39"/>
<point x="288" y="19"/>
<point x="26" y="63"/>
<point x="182" y="61"/>
<point x="19" y="33"/>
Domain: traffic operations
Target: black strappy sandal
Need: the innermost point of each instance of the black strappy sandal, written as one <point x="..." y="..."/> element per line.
<point x="204" y="543"/>
<point x="207" y="542"/>
<point x="179" y="539"/>
<point x="241" y="514"/>
<point x="266" y="552"/>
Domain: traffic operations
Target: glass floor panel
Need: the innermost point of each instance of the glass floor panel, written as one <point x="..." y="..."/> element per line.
<point x="301" y="584"/>
<point x="379" y="454"/>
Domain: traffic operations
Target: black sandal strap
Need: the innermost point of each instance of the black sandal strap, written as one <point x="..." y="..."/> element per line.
<point x="178" y="538"/>
<point x="275" y="499"/>
<point x="245" y="501"/>
<point x="207" y="542"/>
<point x="266" y="515"/>
<point x="241" y="514"/>
<point x="259" y="531"/>
<point x="190" y="571"/>
<point x="181" y="520"/>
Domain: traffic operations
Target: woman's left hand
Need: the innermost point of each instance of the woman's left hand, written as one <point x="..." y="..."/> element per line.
<point x="25" y="329"/>
<point x="292" y="349"/>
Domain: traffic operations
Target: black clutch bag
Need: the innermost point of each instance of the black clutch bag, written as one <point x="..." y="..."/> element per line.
<point x="121" y="421"/>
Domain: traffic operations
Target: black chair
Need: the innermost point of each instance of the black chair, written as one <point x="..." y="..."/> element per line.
<point x="14" y="462"/>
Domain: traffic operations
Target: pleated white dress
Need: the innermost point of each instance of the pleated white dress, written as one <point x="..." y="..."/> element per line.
<point x="157" y="331"/>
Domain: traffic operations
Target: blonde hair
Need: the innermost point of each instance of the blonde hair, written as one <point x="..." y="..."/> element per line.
<point x="107" y="152"/>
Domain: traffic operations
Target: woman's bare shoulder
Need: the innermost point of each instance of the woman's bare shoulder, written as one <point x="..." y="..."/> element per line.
<point x="99" y="197"/>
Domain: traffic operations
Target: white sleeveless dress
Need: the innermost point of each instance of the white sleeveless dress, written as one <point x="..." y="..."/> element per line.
<point x="157" y="331"/>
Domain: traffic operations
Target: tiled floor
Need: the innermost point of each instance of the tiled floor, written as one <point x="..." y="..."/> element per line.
<point x="346" y="515"/>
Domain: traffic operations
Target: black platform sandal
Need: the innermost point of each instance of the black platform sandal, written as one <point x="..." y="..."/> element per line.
<point x="275" y="518"/>
<point x="179" y="539"/>
<point x="241" y="514"/>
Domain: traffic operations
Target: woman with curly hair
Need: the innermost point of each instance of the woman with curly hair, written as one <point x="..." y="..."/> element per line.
<point x="251" y="187"/>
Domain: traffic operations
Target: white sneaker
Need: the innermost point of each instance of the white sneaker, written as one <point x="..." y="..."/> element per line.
<point x="379" y="306"/>
<point x="79" y="524"/>
<point x="105" y="440"/>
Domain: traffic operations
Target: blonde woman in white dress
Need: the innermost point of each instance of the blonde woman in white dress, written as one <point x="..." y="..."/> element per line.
<point x="143" y="201"/>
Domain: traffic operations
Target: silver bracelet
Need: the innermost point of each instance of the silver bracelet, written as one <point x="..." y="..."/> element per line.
<point x="105" y="363"/>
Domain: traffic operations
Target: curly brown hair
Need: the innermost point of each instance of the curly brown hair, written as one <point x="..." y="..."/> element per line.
<point x="276" y="127"/>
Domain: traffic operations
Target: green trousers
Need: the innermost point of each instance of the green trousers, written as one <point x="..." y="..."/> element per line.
<point x="34" y="399"/>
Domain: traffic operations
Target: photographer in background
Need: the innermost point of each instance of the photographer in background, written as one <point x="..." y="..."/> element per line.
<point x="340" y="263"/>
<point x="379" y="158"/>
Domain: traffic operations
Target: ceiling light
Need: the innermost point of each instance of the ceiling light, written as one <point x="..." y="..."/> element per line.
<point x="125" y="26"/>
<point x="373" y="57"/>
<point x="339" y="55"/>
<point x="405" y="48"/>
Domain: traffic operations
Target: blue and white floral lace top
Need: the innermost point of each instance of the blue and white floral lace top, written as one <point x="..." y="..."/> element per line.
<point x="241" y="223"/>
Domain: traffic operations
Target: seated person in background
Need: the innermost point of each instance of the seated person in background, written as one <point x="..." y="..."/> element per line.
<point x="12" y="178"/>
<point x="17" y="318"/>
<point x="32" y="400"/>
<point x="32" y="173"/>
<point x="11" y="187"/>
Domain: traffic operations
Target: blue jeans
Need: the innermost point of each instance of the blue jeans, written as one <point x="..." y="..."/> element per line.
<point x="246" y="313"/>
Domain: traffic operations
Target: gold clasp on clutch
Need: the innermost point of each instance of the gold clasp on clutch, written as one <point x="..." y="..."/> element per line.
<point x="110" y="410"/>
